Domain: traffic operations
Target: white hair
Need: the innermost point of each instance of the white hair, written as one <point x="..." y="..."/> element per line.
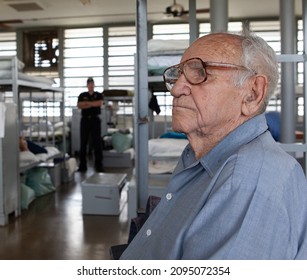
<point x="259" y="57"/>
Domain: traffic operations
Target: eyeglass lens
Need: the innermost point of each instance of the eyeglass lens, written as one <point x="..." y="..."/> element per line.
<point x="193" y="71"/>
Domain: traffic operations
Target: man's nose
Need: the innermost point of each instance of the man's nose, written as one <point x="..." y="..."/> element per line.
<point x="181" y="87"/>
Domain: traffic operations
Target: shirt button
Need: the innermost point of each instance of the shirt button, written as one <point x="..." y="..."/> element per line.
<point x="169" y="196"/>
<point x="148" y="232"/>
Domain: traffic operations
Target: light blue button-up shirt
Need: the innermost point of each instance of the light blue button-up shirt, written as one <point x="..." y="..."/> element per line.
<point x="245" y="199"/>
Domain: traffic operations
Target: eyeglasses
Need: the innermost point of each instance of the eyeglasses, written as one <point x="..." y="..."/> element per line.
<point x="195" y="71"/>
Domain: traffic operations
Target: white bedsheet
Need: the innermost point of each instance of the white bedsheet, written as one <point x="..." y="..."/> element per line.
<point x="156" y="46"/>
<point x="164" y="154"/>
<point x="164" y="53"/>
<point x="7" y="64"/>
<point x="27" y="158"/>
<point x="166" y="147"/>
<point x="7" y="74"/>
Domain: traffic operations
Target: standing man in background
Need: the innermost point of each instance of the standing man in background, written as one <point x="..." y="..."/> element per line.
<point x="90" y="102"/>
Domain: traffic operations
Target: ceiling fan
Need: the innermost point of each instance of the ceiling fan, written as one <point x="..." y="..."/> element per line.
<point x="176" y="10"/>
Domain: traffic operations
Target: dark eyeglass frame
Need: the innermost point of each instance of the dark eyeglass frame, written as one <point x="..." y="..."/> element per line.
<point x="205" y="64"/>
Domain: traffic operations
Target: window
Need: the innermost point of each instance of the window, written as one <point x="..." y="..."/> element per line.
<point x="269" y="31"/>
<point x="300" y="67"/>
<point x="83" y="58"/>
<point x="8" y="44"/>
<point x="121" y="56"/>
<point x="41" y="109"/>
<point x="171" y="31"/>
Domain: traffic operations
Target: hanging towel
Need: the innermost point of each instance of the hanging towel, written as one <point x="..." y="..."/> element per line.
<point x="153" y="104"/>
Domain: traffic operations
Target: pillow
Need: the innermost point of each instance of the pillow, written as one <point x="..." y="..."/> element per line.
<point x="42" y="156"/>
<point x="27" y="157"/>
<point x="121" y="141"/>
<point x="58" y="125"/>
<point x="51" y="150"/>
<point x="39" y="180"/>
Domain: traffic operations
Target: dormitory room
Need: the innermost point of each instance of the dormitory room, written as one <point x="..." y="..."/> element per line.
<point x="153" y="130"/>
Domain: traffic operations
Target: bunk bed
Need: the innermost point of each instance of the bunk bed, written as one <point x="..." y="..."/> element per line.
<point x="120" y="128"/>
<point x="162" y="54"/>
<point x="14" y="85"/>
<point x="45" y="134"/>
<point x="44" y="128"/>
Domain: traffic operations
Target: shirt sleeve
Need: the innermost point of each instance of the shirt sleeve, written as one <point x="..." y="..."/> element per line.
<point x="98" y="96"/>
<point x="80" y="97"/>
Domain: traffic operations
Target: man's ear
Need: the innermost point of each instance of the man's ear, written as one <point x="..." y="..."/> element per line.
<point x="254" y="98"/>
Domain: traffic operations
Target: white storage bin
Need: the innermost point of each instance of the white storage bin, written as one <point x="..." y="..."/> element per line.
<point x="101" y="193"/>
<point x="115" y="159"/>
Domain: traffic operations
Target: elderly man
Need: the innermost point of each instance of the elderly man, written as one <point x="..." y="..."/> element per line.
<point x="235" y="194"/>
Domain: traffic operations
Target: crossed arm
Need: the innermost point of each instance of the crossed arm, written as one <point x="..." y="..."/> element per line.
<point x="89" y="104"/>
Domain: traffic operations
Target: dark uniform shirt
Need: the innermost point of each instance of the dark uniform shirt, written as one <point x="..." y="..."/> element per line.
<point x="86" y="96"/>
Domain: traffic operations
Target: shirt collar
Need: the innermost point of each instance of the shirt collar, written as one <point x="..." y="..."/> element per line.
<point x="242" y="135"/>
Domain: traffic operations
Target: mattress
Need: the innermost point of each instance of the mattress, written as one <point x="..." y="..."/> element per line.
<point x="158" y="63"/>
<point x="28" y="159"/>
<point x="160" y="47"/>
<point x="6" y="64"/>
<point x="164" y="53"/>
<point x="7" y="74"/>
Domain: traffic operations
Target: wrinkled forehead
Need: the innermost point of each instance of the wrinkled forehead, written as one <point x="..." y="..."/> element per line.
<point x="219" y="47"/>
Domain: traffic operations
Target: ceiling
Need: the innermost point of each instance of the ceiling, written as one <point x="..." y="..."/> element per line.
<point x="74" y="13"/>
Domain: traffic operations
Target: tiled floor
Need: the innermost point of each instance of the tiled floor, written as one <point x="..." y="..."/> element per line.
<point x="54" y="228"/>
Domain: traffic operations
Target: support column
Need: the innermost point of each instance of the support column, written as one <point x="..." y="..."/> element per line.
<point x="219" y="15"/>
<point x="288" y="98"/>
<point x="193" y="21"/>
<point x="141" y="106"/>
<point x="304" y="18"/>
